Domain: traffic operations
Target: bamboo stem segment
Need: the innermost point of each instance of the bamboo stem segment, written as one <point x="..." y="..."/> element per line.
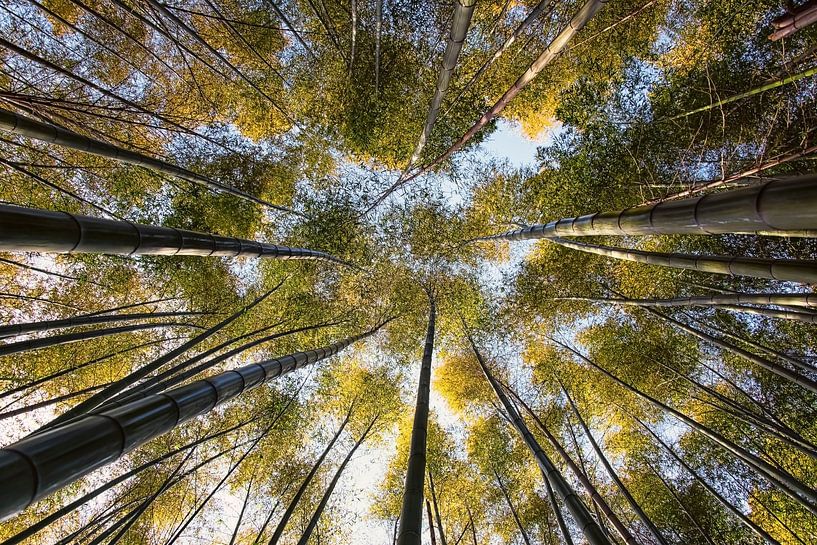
<point x="30" y="128"/>
<point x="36" y="230"/>
<point x="39" y="465"/>
<point x="411" y="514"/>
<point x="779" y="207"/>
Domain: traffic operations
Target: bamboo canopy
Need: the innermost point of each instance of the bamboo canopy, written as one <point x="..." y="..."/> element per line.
<point x="39" y="465"/>
<point x="35" y="230"/>
<point x="779" y="207"/>
<point x="45" y="132"/>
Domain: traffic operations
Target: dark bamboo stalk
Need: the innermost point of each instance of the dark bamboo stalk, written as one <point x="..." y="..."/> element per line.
<point x="411" y="514"/>
<point x="35" y="230"/>
<point x="779" y="299"/>
<point x="589" y="487"/>
<point x="69" y="508"/>
<point x="436" y="508"/>
<point x="778" y="207"/>
<point x="293" y="504"/>
<point x="779" y="477"/>
<point x="76" y="321"/>
<point x="767" y="364"/>
<point x="430" y="518"/>
<point x="164" y="381"/>
<point x="66" y="338"/>
<point x="38" y="465"/>
<point x="313" y="522"/>
<point x="723" y="501"/>
<point x="122" y="384"/>
<point x="645" y="519"/>
<point x="516" y="518"/>
<point x="581" y="515"/>
<point x="37" y="130"/>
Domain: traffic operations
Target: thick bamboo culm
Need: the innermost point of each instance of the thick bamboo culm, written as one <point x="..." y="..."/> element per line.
<point x="463" y="10"/>
<point x="779" y="207"/>
<point x="35" y="230"/>
<point x="41" y="464"/>
<point x="794" y="270"/>
<point x="411" y="514"/>
<point x="12" y="330"/>
<point x="31" y="128"/>
<point x="582" y="17"/>
<point x="578" y="510"/>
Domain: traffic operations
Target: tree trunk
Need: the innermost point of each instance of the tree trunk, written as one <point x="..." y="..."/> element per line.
<point x="411" y="514"/>
<point x="45" y="132"/>
<point x="66" y="338"/>
<point x="751" y="92"/>
<point x="293" y="504"/>
<point x="722" y="300"/>
<point x="156" y="384"/>
<point x="769" y="365"/>
<point x="612" y="472"/>
<point x="553" y="49"/>
<point x="783" y="158"/>
<point x="513" y="509"/>
<point x="313" y="522"/>
<point x="581" y="515"/>
<point x="41" y="464"/>
<point x="436" y="508"/>
<point x="723" y="501"/>
<point x="65" y="510"/>
<point x="557" y="511"/>
<point x="35" y="230"/>
<point x="779" y="207"/>
<point x="779" y="477"/>
<point x="591" y="490"/>
<point x="463" y="10"/>
<point x="796" y="270"/>
<point x="76" y="321"/>
<point x="132" y="378"/>
<point x="509" y="41"/>
<point x="431" y="533"/>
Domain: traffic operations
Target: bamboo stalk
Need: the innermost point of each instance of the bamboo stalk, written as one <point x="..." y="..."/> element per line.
<point x="411" y="513"/>
<point x="30" y="128"/>
<point x="36" y="230"/>
<point x="463" y="10"/>
<point x="581" y="515"/>
<point x="779" y="207"/>
<point x="39" y="465"/>
<point x="751" y="92"/>
<point x="795" y="270"/>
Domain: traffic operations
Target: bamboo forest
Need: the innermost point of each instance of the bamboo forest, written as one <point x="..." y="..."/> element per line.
<point x="404" y="272"/>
